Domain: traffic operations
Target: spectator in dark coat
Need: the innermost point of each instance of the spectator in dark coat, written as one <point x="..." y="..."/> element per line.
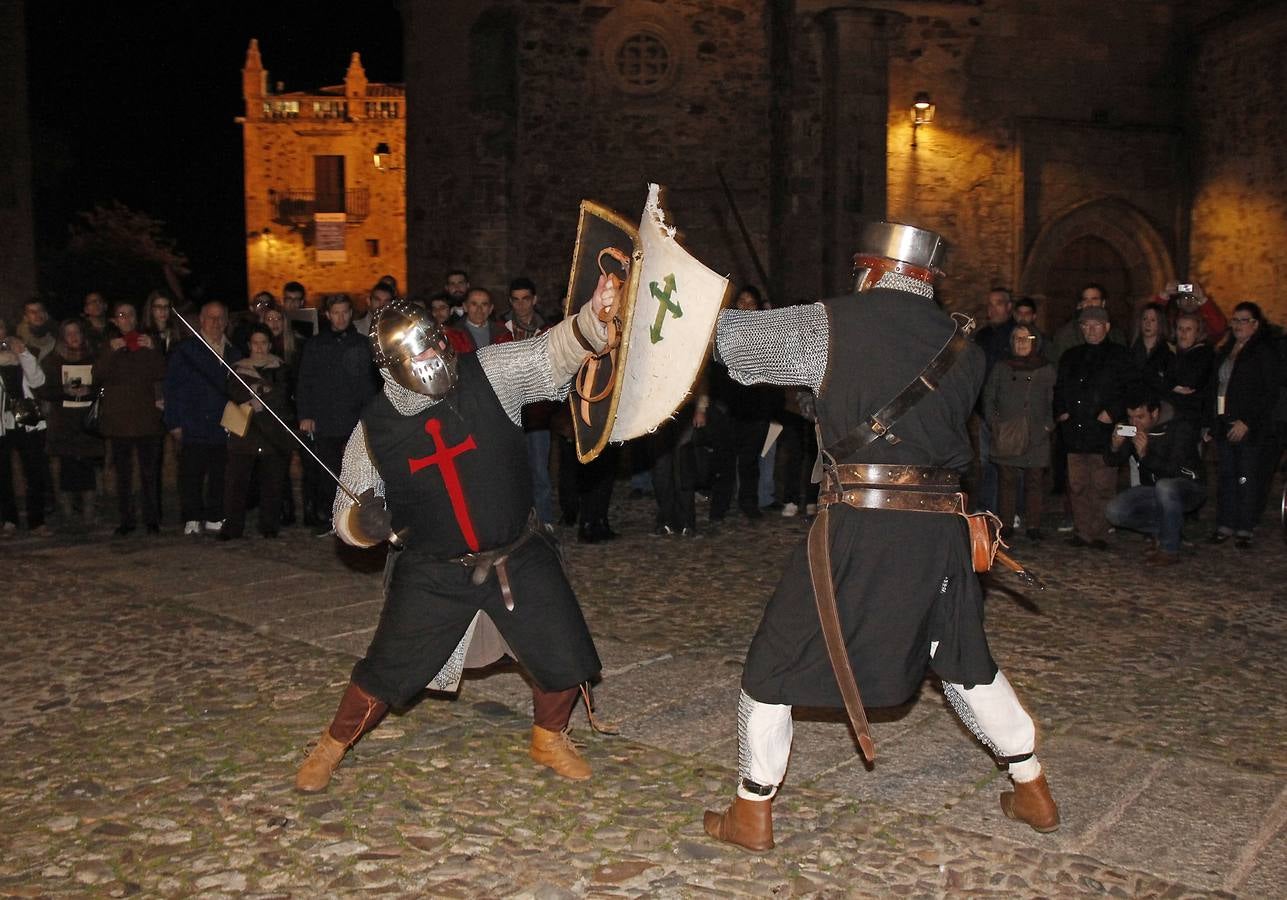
<point x="1171" y="474"/>
<point x="1089" y="397"/>
<point x="1017" y="400"/>
<point x="264" y="450"/>
<point x="1247" y="380"/>
<point x="336" y="379"/>
<point x="1150" y="350"/>
<point x="129" y="370"/>
<point x="1191" y="379"/>
<point x="195" y="396"/>
<point x="68" y="390"/>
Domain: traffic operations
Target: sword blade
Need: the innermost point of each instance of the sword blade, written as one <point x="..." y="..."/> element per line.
<point x="291" y="431"/>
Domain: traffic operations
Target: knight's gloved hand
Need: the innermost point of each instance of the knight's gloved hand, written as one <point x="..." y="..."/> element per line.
<point x="370" y="517"/>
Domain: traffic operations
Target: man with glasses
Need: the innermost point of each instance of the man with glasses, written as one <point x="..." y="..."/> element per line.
<point x="195" y="396"/>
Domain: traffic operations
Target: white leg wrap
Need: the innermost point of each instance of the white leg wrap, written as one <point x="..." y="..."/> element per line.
<point x="763" y="745"/>
<point x="1000" y="721"/>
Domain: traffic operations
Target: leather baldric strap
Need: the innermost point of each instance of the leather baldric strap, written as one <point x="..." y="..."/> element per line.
<point x="879" y="423"/>
<point x="829" y="616"/>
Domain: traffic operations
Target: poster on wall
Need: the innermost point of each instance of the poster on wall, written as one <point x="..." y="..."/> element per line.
<point x="328" y="231"/>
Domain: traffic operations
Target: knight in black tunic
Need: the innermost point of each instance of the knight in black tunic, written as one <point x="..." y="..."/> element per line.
<point x="907" y="595"/>
<point x="439" y="460"/>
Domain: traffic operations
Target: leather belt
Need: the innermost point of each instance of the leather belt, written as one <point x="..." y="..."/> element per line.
<point x="483" y="562"/>
<point x="859" y="475"/>
<point x="916" y="501"/>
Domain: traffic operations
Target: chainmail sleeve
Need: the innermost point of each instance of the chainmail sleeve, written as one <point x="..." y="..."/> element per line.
<point x="519" y="372"/>
<point x="787" y="346"/>
<point x="358" y="472"/>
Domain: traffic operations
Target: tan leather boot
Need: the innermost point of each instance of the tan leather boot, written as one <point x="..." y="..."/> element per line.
<point x="315" y="774"/>
<point x="747" y="823"/>
<point x="1030" y="802"/>
<point x="555" y="750"/>
<point x="358" y="713"/>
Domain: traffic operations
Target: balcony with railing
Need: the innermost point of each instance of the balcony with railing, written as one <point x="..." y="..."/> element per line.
<point x="382" y="101"/>
<point x="295" y="207"/>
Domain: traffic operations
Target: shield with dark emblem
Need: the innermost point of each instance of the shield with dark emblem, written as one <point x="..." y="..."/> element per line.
<point x="660" y="331"/>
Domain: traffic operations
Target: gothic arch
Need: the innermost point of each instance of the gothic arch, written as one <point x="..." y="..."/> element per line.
<point x="1143" y="251"/>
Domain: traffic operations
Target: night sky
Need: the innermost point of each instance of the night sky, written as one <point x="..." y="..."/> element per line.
<point x="135" y="102"/>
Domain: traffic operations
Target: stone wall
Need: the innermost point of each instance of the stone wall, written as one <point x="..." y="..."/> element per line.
<point x="1240" y="199"/>
<point x="502" y="201"/>
<point x="1057" y="127"/>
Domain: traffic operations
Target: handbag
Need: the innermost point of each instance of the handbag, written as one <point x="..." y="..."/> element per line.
<point x="93" y="421"/>
<point x="1010" y="437"/>
<point x="26" y="412"/>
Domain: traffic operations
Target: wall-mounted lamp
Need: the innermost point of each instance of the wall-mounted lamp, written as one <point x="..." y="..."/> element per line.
<point x="922" y="112"/>
<point x="381" y="156"/>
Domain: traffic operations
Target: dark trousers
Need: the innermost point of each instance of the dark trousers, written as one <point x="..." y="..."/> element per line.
<point x="76" y="474"/>
<point x="1012" y="480"/>
<point x="267" y="467"/>
<point x="1158" y="509"/>
<point x="147" y="450"/>
<point x="30" y="446"/>
<point x="673" y="477"/>
<point x="201" y="472"/>
<point x="594" y="486"/>
<point x="738" y="443"/>
<point x="331" y="452"/>
<point x="799" y="452"/>
<point x="1240" y="493"/>
<point x="569" y="469"/>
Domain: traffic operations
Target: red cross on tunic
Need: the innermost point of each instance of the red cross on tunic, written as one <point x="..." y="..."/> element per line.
<point x="444" y="458"/>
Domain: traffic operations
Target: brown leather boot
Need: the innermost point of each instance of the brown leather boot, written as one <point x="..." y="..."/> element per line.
<point x="358" y="713"/>
<point x="1030" y="802"/>
<point x="747" y="823"/>
<point x="555" y="750"/>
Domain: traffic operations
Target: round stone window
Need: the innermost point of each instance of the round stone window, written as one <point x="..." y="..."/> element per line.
<point x="643" y="62"/>
<point x="639" y="57"/>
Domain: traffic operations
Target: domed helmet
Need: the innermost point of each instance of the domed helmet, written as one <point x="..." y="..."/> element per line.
<point x="402" y="334"/>
<point x="902" y="249"/>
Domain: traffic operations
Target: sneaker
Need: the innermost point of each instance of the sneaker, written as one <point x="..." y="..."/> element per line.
<point x="42" y="531"/>
<point x="811" y="509"/>
<point x="214" y="526"/>
<point x="192" y="527"/>
<point x="1065" y="525"/>
<point x="1161" y="558"/>
<point x="8" y="530"/>
<point x="1219" y="536"/>
<point x="789" y="510"/>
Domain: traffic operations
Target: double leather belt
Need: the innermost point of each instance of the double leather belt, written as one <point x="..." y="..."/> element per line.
<point x="916" y="488"/>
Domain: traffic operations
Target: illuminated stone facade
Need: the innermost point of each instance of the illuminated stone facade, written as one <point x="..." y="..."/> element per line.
<point x="1064" y="146"/>
<point x="309" y="161"/>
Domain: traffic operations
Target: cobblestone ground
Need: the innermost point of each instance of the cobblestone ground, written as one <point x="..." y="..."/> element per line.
<point x="160" y="693"/>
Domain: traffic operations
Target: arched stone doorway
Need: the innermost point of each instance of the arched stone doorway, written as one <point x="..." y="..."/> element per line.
<point x="1105" y="241"/>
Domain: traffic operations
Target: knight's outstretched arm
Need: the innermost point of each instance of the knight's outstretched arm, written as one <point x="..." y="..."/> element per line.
<point x="788" y="346"/>
<point x="358" y="471"/>
<point x="541" y="368"/>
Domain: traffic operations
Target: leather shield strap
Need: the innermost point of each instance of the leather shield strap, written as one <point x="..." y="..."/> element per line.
<point x="880" y="422"/>
<point x="829" y="617"/>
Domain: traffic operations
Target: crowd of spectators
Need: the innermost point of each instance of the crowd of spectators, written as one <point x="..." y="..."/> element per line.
<point x="1121" y="425"/>
<point x="1127" y="422"/>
